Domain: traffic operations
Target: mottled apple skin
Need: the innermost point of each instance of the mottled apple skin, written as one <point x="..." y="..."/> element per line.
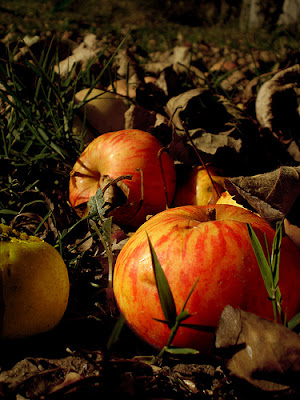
<point x="120" y="153"/>
<point x="206" y="242"/>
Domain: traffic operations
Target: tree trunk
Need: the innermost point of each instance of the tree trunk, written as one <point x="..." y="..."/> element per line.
<point x="257" y="14"/>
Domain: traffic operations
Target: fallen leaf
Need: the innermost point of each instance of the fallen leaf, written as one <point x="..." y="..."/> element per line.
<point x="84" y="52"/>
<point x="179" y="55"/>
<point x="276" y="104"/>
<point x="137" y="117"/>
<point x="271" y="194"/>
<point x="230" y="82"/>
<point x="210" y="143"/>
<point x="263" y="353"/>
<point x="70" y="379"/>
<point x="32" y="378"/>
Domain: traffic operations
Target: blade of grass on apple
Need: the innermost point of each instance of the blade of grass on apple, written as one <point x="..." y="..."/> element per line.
<point x="164" y="291"/>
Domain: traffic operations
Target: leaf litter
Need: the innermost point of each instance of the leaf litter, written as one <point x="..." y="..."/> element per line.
<point x="233" y="121"/>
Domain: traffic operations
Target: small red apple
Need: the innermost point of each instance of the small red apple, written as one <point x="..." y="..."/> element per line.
<point x="126" y="152"/>
<point x="197" y="187"/>
<point x="206" y="242"/>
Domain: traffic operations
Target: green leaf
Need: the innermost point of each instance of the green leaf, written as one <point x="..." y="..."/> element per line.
<point x="114" y="336"/>
<point x="189" y="295"/>
<point x="294" y="321"/>
<point x="275" y="256"/>
<point x="164" y="290"/>
<point x="106" y="229"/>
<point x="262" y="261"/>
<point x="96" y="204"/>
<point x="183" y="315"/>
<point x="181" y="350"/>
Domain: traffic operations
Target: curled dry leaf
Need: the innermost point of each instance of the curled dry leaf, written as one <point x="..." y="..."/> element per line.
<point x="199" y="108"/>
<point x="86" y="50"/>
<point x="210" y="143"/>
<point x="213" y="124"/>
<point x="236" y="77"/>
<point x="264" y="353"/>
<point x="137" y="117"/>
<point x="70" y="379"/>
<point x="276" y="104"/>
<point x="271" y="194"/>
<point x="34" y="378"/>
<point x="178" y="56"/>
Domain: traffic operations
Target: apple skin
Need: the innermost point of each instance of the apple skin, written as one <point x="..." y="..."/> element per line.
<point x="120" y="153"/>
<point x="206" y="242"/>
<point x="34" y="285"/>
<point x="197" y="188"/>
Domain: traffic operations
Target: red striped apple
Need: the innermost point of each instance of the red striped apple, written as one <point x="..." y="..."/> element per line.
<point x="126" y="152"/>
<point x="198" y="189"/>
<point x="206" y="242"/>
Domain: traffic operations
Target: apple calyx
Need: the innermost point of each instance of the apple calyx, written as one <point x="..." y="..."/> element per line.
<point x="7" y="234"/>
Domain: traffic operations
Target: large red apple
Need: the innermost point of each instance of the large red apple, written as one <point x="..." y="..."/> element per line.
<point x="126" y="152"/>
<point x="206" y="242"/>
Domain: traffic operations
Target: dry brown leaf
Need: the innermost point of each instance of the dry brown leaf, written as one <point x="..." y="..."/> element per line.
<point x="210" y="143"/>
<point x="271" y="194"/>
<point x="86" y="50"/>
<point x="70" y="379"/>
<point x="137" y="117"/>
<point x="264" y="353"/>
<point x="276" y="104"/>
<point x="233" y="79"/>
<point x="32" y="378"/>
<point x="177" y="57"/>
<point x="177" y="104"/>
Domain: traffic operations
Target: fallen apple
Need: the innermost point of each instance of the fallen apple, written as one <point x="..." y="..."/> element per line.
<point x="34" y="285"/>
<point x="127" y="152"/>
<point x="103" y="110"/>
<point x="209" y="243"/>
<point x="201" y="186"/>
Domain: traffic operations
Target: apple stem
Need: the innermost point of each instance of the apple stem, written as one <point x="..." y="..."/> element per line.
<point x="114" y="181"/>
<point x="162" y="174"/>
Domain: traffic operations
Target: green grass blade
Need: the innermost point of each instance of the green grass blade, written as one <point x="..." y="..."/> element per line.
<point x="294" y="321"/>
<point x="114" y="336"/>
<point x="262" y="261"/>
<point x="275" y="256"/>
<point x="189" y="295"/>
<point x="164" y="290"/>
<point x="181" y="350"/>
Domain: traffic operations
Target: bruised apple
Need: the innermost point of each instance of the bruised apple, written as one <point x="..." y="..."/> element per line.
<point x="201" y="186"/>
<point x="209" y="243"/>
<point x="117" y="154"/>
